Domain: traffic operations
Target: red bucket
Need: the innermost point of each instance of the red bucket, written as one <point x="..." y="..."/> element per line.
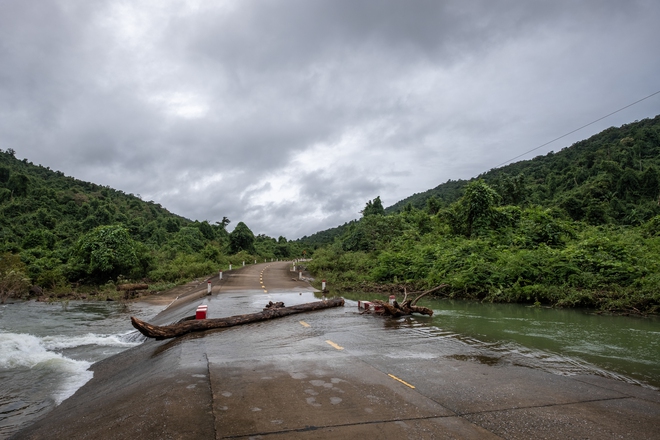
<point x="201" y="312"/>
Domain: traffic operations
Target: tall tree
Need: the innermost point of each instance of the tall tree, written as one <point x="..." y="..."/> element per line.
<point x="374" y="207"/>
<point x="241" y="239"/>
<point x="106" y="252"/>
<point x="18" y="184"/>
<point x="475" y="210"/>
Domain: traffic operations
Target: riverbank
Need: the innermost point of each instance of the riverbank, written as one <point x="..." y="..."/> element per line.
<point x="609" y="268"/>
<point x="624" y="302"/>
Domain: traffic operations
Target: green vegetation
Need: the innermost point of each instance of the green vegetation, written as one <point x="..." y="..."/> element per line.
<point x="61" y="237"/>
<point x="577" y="228"/>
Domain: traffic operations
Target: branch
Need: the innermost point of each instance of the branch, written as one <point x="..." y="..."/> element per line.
<point x="435" y="289"/>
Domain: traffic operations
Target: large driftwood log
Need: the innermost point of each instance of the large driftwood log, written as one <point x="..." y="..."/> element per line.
<point x="408" y="306"/>
<point x="183" y="327"/>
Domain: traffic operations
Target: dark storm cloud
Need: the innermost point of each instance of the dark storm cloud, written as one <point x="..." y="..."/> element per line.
<point x="290" y="115"/>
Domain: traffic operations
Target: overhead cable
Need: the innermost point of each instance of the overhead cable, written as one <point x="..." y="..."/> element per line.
<point x="577" y="129"/>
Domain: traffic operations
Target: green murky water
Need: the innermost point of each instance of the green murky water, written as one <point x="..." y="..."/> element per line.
<point x="567" y="341"/>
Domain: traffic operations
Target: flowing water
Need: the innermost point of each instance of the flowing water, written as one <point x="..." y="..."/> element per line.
<point x="46" y="351"/>
<point x="562" y="341"/>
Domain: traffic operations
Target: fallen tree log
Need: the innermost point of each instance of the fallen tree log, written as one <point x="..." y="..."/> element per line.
<point x="188" y="326"/>
<point x="407" y="306"/>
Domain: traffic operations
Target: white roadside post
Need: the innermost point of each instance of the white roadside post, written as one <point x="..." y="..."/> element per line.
<point x="220" y="275"/>
<point x="243" y="263"/>
<point x="208" y="288"/>
<point x="229" y="266"/>
<point x="323" y="285"/>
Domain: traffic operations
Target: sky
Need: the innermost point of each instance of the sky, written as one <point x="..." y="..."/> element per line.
<point x="291" y="115"/>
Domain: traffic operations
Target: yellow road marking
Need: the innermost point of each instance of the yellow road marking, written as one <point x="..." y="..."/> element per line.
<point x="332" y="344"/>
<point x="304" y="324"/>
<point x="265" y="291"/>
<point x="403" y="382"/>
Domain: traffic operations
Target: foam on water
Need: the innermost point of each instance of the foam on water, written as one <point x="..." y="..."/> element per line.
<point x="46" y="351"/>
<point x="126" y="340"/>
<point x="25" y="351"/>
<point x="20" y="351"/>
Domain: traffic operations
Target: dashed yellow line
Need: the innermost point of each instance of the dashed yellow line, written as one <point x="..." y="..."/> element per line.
<point x="402" y="381"/>
<point x="304" y="324"/>
<point x="332" y="344"/>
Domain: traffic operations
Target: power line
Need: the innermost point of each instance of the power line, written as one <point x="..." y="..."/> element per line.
<point x="577" y="129"/>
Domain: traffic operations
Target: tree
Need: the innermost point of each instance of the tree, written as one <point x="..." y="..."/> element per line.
<point x="512" y="190"/>
<point x="13" y="281"/>
<point x="223" y="224"/>
<point x="241" y="239"/>
<point x="206" y="230"/>
<point x="373" y="208"/>
<point x="172" y="225"/>
<point x="4" y="174"/>
<point x="475" y="210"/>
<point x="106" y="252"/>
<point x="650" y="182"/>
<point x="628" y="186"/>
<point x="18" y="184"/>
<point x="433" y="205"/>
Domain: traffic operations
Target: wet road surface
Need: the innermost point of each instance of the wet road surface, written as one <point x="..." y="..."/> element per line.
<point x="331" y="374"/>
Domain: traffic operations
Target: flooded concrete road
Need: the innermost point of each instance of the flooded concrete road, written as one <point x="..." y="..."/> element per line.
<point x="331" y="374"/>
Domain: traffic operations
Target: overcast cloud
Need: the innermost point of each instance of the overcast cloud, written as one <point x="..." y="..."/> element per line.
<point x="290" y="115"/>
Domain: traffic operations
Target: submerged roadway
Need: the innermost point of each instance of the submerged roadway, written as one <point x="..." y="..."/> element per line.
<point x="330" y="374"/>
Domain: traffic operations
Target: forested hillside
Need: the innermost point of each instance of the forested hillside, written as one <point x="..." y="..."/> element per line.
<point x="575" y="228"/>
<point x="58" y="234"/>
<point x="612" y="177"/>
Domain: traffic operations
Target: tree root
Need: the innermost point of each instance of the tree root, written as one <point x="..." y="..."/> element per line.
<point x="407" y="306"/>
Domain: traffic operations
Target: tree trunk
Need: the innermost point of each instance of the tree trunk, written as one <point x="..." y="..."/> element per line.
<point x="408" y="306"/>
<point x="270" y="312"/>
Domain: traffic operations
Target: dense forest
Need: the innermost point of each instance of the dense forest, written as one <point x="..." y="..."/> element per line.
<point x="61" y="236"/>
<point x="580" y="227"/>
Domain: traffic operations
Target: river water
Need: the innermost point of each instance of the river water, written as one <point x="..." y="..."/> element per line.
<point x="46" y="349"/>
<point x="562" y="341"/>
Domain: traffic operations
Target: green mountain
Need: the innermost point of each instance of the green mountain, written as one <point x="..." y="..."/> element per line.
<point x="57" y="231"/>
<point x="612" y="177"/>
